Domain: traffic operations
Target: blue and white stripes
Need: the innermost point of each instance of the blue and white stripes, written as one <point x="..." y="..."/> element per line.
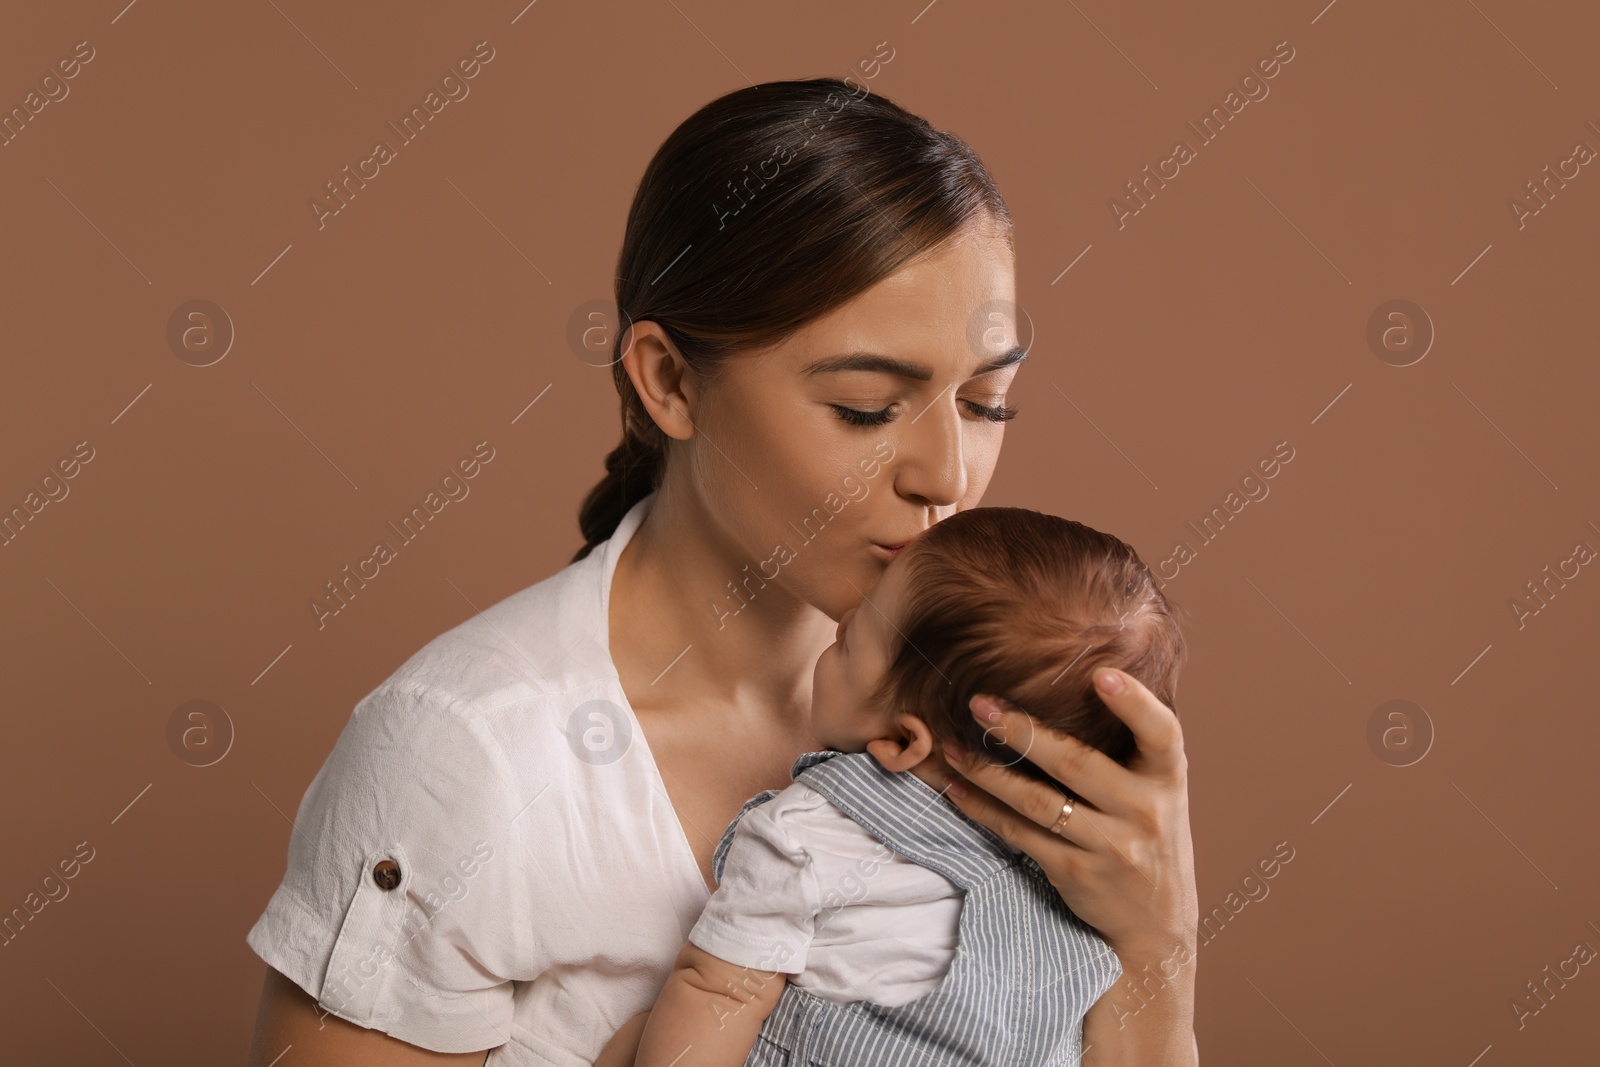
<point x="1025" y="970"/>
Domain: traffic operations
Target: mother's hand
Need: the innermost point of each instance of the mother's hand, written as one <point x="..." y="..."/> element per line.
<point x="1124" y="859"/>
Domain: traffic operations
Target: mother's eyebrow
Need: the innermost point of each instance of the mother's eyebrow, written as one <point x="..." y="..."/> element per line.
<point x="921" y="372"/>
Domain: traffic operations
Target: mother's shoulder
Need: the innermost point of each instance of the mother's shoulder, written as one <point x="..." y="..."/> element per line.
<point x="544" y="644"/>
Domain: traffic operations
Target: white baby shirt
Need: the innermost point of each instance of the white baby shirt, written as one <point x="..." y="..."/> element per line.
<point x="806" y="890"/>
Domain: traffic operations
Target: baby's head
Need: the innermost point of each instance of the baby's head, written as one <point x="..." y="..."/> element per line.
<point x="995" y="600"/>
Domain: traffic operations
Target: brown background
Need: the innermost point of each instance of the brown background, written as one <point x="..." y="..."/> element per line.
<point x="1226" y="317"/>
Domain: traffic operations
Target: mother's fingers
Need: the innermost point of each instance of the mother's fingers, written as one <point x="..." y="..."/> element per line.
<point x="1082" y="768"/>
<point x="1154" y="725"/>
<point x="1002" y="816"/>
<point x="1005" y="795"/>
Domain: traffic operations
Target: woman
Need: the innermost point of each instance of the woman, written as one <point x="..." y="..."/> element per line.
<point x="515" y="830"/>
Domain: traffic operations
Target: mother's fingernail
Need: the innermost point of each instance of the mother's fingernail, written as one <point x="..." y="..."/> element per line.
<point x="956" y="788"/>
<point x="1108" y="680"/>
<point x="954" y="752"/>
<point x="985" y="709"/>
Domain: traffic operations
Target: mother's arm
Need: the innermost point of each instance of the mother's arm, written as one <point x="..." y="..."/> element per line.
<point x="1124" y="861"/>
<point x="288" y="1016"/>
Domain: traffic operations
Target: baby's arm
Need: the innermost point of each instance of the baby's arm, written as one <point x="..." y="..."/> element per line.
<point x="727" y="979"/>
<point x="623" y="1047"/>
<point x="709" y="1008"/>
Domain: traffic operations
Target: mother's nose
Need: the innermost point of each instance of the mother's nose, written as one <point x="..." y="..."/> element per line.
<point x="930" y="465"/>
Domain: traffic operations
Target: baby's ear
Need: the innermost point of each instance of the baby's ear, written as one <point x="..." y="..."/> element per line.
<point x="911" y="745"/>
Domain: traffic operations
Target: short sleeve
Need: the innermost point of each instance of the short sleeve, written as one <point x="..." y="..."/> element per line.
<point x="402" y="909"/>
<point x="763" y="913"/>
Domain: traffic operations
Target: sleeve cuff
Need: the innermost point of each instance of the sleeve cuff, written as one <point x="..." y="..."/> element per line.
<point x="786" y="955"/>
<point x="288" y="938"/>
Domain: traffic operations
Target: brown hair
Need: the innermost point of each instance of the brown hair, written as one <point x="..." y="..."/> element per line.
<point x="1027" y="606"/>
<point x="764" y="210"/>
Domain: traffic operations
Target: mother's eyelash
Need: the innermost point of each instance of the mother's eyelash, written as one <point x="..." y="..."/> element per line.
<point x="857" y="417"/>
<point x="1001" y="413"/>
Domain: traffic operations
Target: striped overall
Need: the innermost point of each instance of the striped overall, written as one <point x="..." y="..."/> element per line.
<point x="1025" y="971"/>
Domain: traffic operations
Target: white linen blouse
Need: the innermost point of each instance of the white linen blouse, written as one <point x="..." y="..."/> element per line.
<point x="488" y="857"/>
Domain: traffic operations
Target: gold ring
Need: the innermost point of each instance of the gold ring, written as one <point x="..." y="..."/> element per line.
<point x="1061" y="820"/>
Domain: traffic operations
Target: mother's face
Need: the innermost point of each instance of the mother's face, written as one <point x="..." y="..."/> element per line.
<point x="865" y="428"/>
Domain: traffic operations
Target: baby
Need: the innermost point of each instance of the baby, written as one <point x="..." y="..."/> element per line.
<point x="860" y="917"/>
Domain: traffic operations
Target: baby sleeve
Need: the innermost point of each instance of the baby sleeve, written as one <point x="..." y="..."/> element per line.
<point x="763" y="913"/>
<point x="403" y="907"/>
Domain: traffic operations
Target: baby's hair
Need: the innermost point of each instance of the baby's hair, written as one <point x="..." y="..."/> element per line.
<point x="1026" y="606"/>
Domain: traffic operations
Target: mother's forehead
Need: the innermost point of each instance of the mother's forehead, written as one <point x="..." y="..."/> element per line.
<point x="925" y="307"/>
<point x="919" y="350"/>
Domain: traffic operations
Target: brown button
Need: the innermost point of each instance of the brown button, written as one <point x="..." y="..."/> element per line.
<point x="386" y="874"/>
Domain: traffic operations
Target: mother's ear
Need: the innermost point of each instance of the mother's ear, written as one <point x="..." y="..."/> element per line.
<point x="911" y="744"/>
<point x="660" y="377"/>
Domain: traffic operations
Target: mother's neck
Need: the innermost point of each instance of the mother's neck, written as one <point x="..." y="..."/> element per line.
<point x="679" y="636"/>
